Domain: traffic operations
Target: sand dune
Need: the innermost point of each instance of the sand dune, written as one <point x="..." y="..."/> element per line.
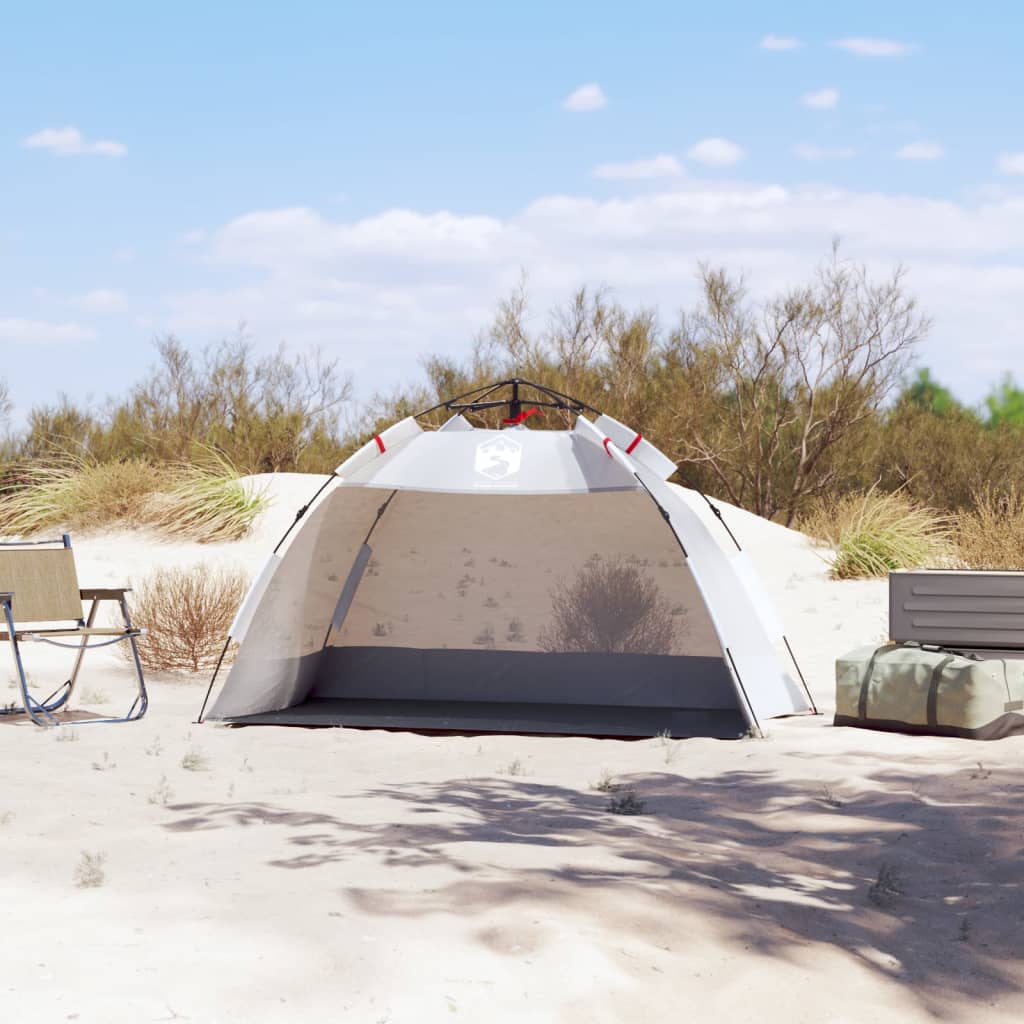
<point x="820" y="875"/>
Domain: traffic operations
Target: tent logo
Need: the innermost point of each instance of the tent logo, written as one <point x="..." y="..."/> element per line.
<point x="498" y="458"/>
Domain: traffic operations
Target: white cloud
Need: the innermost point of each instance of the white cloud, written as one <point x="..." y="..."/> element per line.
<point x="43" y="333"/>
<point x="920" y="151"/>
<point x="821" y="99"/>
<point x="381" y="291"/>
<point x="585" y="98"/>
<point x="1010" y="163"/>
<point x="862" y="46"/>
<point x="716" y="152"/>
<point x="663" y="166"/>
<point x="101" y="300"/>
<point x="809" y="151"/>
<point x="69" y="141"/>
<point x="773" y="42"/>
<point x="194" y="237"/>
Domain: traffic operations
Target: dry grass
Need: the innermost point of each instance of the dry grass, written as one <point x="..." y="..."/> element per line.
<point x="187" y="613"/>
<point x="89" y="873"/>
<point x="873" y="533"/>
<point x="991" y="535"/>
<point x="206" y="501"/>
<point x="69" y="492"/>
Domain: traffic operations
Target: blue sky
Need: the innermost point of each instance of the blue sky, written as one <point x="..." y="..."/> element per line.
<point x="370" y="178"/>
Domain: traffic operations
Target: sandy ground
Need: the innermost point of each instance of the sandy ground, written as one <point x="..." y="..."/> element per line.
<point x="820" y="875"/>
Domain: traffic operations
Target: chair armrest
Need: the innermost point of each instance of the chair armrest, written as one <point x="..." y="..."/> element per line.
<point x="6" y="593"/>
<point x="103" y="593"/>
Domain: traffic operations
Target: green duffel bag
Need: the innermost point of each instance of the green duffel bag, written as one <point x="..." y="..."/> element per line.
<point x="925" y="689"/>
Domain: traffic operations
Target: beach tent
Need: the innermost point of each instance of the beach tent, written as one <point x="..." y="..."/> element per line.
<point x="512" y="579"/>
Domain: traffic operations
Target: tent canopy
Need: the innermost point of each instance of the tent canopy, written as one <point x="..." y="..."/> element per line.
<point x="512" y="580"/>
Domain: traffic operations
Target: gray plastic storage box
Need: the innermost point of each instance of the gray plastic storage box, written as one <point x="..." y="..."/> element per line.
<point x="982" y="611"/>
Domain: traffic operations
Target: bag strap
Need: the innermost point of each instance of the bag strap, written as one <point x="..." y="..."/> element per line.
<point x="865" y="683"/>
<point x="933" y="689"/>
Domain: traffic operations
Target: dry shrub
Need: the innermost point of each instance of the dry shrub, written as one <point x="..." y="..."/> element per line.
<point x="187" y="613"/>
<point x="873" y="533"/>
<point x="610" y="606"/>
<point x="991" y="534"/>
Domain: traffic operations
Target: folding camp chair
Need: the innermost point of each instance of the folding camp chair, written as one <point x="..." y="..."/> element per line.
<point x="41" y="601"/>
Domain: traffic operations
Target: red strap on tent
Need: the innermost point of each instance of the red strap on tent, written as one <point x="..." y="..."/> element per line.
<point x="380" y="444"/>
<point x="522" y="416"/>
<point x="632" y="444"/>
<point x="607" y="441"/>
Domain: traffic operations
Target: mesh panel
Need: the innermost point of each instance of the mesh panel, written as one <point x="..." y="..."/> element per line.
<point x="553" y="573"/>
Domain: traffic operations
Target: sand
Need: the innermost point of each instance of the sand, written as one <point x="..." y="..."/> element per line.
<point x="819" y="875"/>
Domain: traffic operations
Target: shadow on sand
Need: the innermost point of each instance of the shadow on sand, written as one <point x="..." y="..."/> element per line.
<point x="919" y="878"/>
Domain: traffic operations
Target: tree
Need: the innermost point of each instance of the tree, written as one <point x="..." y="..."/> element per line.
<point x="1005" y="404"/>
<point x="927" y="393"/>
<point x="770" y="392"/>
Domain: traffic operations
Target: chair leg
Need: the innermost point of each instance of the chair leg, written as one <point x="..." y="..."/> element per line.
<point x="42" y="712"/>
<point x="90" y="621"/>
<point x="141" y="702"/>
<point x="138" y="708"/>
<point x="39" y="713"/>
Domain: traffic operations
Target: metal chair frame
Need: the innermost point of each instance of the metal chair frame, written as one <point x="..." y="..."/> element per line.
<point x="43" y="712"/>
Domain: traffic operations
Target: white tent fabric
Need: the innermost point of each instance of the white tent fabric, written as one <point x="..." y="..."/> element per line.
<point x="528" y="580"/>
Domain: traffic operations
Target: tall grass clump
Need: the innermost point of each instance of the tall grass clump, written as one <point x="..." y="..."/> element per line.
<point x="208" y="501"/>
<point x="71" y="492"/>
<point x="187" y="614"/>
<point x="204" y="501"/>
<point x="873" y="533"/>
<point x="990" y="535"/>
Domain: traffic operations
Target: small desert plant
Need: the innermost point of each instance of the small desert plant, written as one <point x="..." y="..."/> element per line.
<point x="92" y="696"/>
<point x="669" y="747"/>
<point x="155" y="749"/>
<point x="6" y="818"/>
<point x="830" y="797"/>
<point x="65" y="734"/>
<point x="163" y="794"/>
<point x="515" y="633"/>
<point x="194" y="760"/>
<point x="514" y="767"/>
<point x="105" y="764"/>
<point x="991" y="534"/>
<point x="887" y="884"/>
<point x="89" y="873"/>
<point x="606" y="783"/>
<point x="187" y="614"/>
<point x="379" y="629"/>
<point x="873" y="533"/>
<point x="626" y="802"/>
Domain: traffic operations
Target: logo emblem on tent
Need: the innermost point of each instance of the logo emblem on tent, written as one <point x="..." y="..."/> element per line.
<point x="498" y="458"/>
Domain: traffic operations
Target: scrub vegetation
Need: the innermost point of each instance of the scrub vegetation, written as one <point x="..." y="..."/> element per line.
<point x="800" y="406"/>
<point x="186" y="614"/>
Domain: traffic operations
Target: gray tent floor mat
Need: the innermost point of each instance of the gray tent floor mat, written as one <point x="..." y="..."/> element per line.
<point x="487" y="716"/>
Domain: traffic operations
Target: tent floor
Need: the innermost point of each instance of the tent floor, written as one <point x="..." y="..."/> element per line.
<point x="482" y="716"/>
